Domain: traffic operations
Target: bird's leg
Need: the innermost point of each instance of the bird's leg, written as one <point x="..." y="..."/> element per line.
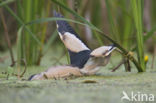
<point x="89" y="69"/>
<point x="93" y="71"/>
<point x="122" y="62"/>
<point x="45" y="76"/>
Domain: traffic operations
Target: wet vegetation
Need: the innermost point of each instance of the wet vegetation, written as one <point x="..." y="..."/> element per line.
<point x="29" y="44"/>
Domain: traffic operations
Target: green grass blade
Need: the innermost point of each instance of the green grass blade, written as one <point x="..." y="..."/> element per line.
<point x="43" y="20"/>
<point x="150" y="33"/>
<point x="22" y="23"/>
<point x="3" y="3"/>
<point x="137" y="12"/>
<point x="114" y="31"/>
<point x="50" y="41"/>
<point x="19" y="46"/>
<point x="147" y="36"/>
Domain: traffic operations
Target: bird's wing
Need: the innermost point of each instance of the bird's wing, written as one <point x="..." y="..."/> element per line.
<point x="57" y="72"/>
<point x="78" y="51"/>
<point x="79" y="59"/>
<point x="102" y="51"/>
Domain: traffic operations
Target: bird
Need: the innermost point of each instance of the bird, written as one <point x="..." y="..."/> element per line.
<point x="83" y="60"/>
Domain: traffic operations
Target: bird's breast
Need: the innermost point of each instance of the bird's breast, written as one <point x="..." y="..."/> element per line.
<point x="62" y="71"/>
<point x="58" y="72"/>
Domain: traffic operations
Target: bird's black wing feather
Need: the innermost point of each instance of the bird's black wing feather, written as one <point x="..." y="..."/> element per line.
<point x="79" y="59"/>
<point x="78" y="51"/>
<point x="64" y="26"/>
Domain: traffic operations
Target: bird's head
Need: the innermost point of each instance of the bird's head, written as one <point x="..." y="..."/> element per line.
<point x="103" y="51"/>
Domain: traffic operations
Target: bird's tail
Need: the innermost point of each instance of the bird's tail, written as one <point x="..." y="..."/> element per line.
<point x="40" y="76"/>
